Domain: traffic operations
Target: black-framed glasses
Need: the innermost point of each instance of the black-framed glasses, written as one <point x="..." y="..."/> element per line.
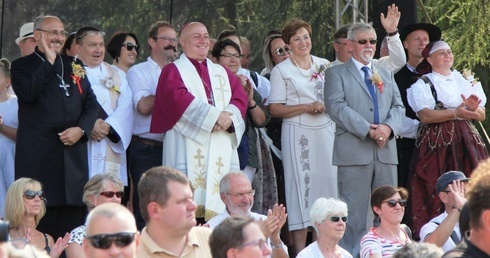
<point x="241" y="195"/>
<point x="130" y="46"/>
<point x="105" y="241"/>
<point x="169" y="39"/>
<point x="392" y="203"/>
<point x="229" y="56"/>
<point x="281" y="51"/>
<point x="110" y="194"/>
<point x="338" y="218"/>
<point x="261" y="243"/>
<point x="365" y="41"/>
<point x="55" y="33"/>
<point x="341" y="43"/>
<point x="30" y="194"/>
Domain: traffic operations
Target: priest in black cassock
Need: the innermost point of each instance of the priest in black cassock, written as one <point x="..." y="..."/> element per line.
<point x="57" y="110"/>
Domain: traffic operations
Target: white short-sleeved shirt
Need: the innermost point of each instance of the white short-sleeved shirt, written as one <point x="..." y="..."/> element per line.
<point x="431" y="226"/>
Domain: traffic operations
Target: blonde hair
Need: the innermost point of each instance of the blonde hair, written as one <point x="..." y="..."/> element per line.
<point x="14" y="202"/>
<point x="96" y="185"/>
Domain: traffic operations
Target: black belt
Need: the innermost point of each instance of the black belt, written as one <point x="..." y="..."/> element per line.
<point x="146" y="141"/>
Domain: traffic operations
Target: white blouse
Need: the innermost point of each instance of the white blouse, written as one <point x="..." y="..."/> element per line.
<point x="448" y="88"/>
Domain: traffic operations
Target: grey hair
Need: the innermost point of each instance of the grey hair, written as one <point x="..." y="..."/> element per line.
<point x="40" y="19"/>
<point x="360" y="27"/>
<point x="323" y="207"/>
<point x="419" y="250"/>
<point x="96" y="184"/>
<point x="224" y="184"/>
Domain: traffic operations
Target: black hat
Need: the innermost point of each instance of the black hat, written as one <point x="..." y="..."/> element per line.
<point x="433" y="31"/>
<point x="447" y="178"/>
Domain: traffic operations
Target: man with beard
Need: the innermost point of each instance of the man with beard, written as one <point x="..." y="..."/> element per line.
<point x="145" y="150"/>
<point x="57" y="111"/>
<point x="238" y="196"/>
<point x="364" y="102"/>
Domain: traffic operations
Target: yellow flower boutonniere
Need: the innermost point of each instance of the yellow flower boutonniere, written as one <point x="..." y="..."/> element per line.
<point x="77" y="75"/>
<point x="376" y="79"/>
<point x="108" y="82"/>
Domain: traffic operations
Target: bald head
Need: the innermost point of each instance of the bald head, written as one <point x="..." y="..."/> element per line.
<point x="194" y="39"/>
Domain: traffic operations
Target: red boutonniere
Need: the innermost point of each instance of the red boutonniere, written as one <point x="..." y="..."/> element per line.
<point x="376" y="79"/>
<point x="77" y="75"/>
<point x="320" y="72"/>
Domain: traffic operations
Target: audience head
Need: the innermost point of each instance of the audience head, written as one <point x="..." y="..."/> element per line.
<point x="123" y="47"/>
<point x="5" y="77"/>
<point x="329" y="218"/>
<point x="246" y="52"/>
<point x="70" y="48"/>
<point x="295" y="27"/>
<point x="227" y="53"/>
<point x="91" y="46"/>
<point x="162" y="39"/>
<point x="194" y="40"/>
<point x="102" y="188"/>
<point x="362" y="42"/>
<point x="386" y="198"/>
<point x="419" y="250"/>
<point x="438" y="57"/>
<point x="231" y="34"/>
<point x="51" y="29"/>
<point x="26" y="41"/>
<point x="20" y="248"/>
<point x="478" y="198"/>
<point x="166" y="200"/>
<point x="340" y="43"/>
<point x="111" y="232"/>
<point x="238" y="237"/>
<point x="237" y="193"/>
<point x="25" y="196"/>
<point x="275" y="51"/>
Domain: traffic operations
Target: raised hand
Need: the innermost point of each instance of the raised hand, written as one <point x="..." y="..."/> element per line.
<point x="59" y="246"/>
<point x="390" y="22"/>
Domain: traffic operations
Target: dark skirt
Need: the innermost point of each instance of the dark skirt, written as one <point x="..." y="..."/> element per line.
<point x="440" y="147"/>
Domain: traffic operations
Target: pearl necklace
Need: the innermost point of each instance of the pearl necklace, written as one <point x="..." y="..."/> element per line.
<point x="310" y="72"/>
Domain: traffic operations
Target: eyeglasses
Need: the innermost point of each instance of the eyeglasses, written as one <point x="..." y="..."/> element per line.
<point x="337" y="219"/>
<point x="60" y="33"/>
<point x="341" y="43"/>
<point x="229" y="56"/>
<point x="365" y="41"/>
<point x="392" y="203"/>
<point x="110" y="194"/>
<point x="130" y="46"/>
<point x="104" y="241"/>
<point x="281" y="51"/>
<point x="260" y="243"/>
<point x="169" y="39"/>
<point x="30" y="194"/>
<point x="241" y="195"/>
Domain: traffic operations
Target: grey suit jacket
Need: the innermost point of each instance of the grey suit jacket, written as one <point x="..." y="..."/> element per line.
<point x="349" y="104"/>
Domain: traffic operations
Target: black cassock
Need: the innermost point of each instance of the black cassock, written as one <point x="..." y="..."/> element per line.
<point x="46" y="109"/>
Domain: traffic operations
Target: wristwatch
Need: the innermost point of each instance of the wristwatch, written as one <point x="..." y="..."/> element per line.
<point x="276" y="246"/>
<point x="392" y="33"/>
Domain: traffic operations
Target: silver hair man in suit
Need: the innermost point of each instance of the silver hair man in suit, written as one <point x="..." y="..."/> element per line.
<point x="365" y="103"/>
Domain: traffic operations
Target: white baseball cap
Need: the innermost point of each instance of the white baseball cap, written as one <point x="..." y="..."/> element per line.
<point x="26" y="31"/>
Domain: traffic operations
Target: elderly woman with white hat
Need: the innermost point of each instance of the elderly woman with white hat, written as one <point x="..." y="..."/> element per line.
<point x="446" y="103"/>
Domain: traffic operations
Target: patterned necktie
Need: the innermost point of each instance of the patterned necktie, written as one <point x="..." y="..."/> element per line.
<point x="372" y="91"/>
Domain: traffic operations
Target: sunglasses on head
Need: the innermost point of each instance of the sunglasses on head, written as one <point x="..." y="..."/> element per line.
<point x="365" y="41"/>
<point x="104" y="241"/>
<point x="280" y="51"/>
<point x="337" y="218"/>
<point x="110" y="194"/>
<point x="130" y="46"/>
<point x="392" y="203"/>
<point x="30" y="194"/>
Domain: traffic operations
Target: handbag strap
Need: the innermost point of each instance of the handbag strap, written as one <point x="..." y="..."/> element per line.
<point x="439" y="105"/>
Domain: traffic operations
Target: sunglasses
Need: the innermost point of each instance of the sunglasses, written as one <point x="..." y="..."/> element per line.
<point x="30" y="194"/>
<point x="104" y="241"/>
<point x="130" y="46"/>
<point x="365" y="41"/>
<point x="337" y="219"/>
<point x="110" y="194"/>
<point x="392" y="203"/>
<point x="281" y="51"/>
